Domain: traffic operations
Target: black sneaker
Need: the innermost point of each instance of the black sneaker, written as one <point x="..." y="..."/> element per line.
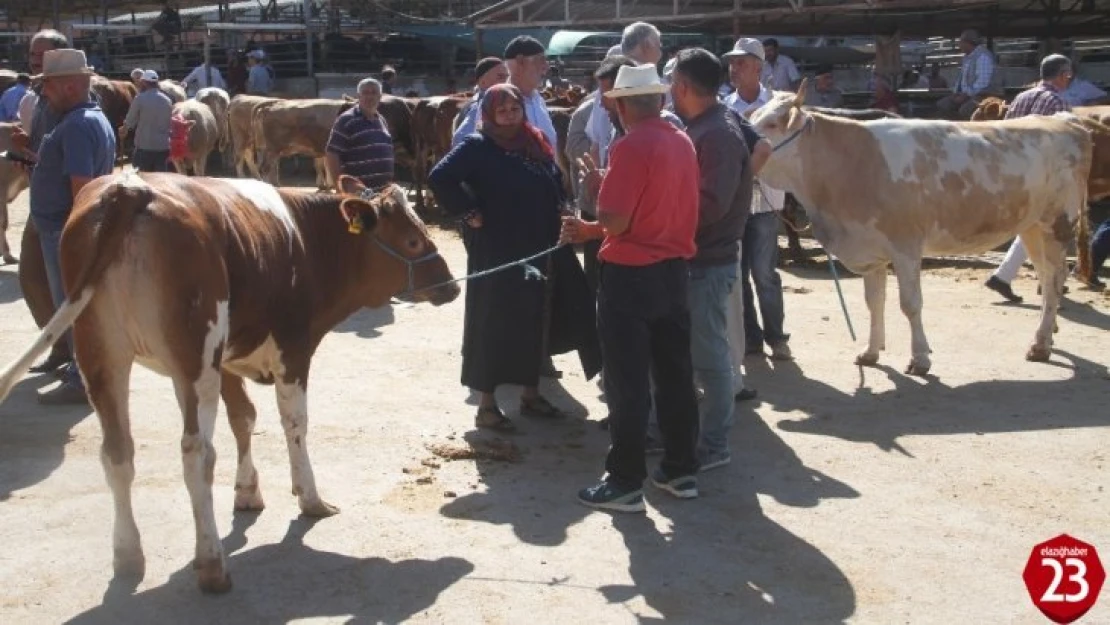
<point x="1003" y="289"/>
<point x="607" y="496"/>
<point x="684" y="487"/>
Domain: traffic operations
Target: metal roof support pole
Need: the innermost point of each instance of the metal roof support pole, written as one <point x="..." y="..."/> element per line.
<point x="566" y="9"/>
<point x="58" y="16"/>
<point x="618" y="9"/>
<point x="308" y="36"/>
<point x="478" y="52"/>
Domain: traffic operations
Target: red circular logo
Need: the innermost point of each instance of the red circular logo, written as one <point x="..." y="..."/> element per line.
<point x="1064" y="578"/>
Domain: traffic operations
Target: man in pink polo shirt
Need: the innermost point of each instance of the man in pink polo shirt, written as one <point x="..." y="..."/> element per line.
<point x="647" y="215"/>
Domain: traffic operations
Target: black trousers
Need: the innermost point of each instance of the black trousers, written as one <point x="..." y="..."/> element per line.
<point x="149" y="160"/>
<point x="644" y="326"/>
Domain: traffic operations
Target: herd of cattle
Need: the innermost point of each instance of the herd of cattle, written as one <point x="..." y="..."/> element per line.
<point x="272" y="271"/>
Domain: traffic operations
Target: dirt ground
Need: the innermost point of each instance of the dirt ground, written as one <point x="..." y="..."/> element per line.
<point x="857" y="495"/>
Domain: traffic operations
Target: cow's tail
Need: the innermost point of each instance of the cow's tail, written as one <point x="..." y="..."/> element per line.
<point x="120" y="202"/>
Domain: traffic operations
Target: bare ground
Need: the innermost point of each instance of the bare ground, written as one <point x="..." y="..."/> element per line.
<point x="854" y="494"/>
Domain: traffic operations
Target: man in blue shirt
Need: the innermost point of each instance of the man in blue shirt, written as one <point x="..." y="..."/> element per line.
<point x="80" y="148"/>
<point x="9" y="102"/>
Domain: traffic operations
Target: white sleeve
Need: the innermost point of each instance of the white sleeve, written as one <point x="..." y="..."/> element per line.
<point x="27" y="110"/>
<point x="193" y="75"/>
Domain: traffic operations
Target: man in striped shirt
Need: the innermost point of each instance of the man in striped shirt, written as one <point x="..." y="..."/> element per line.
<point x="1043" y="99"/>
<point x="360" y="144"/>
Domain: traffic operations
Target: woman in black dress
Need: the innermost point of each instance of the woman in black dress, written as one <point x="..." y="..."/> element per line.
<point x="505" y="183"/>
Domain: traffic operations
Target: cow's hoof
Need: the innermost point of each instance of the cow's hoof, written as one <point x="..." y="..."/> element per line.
<point x="868" y="359"/>
<point x="318" y="509"/>
<point x="918" y="368"/>
<point x="129" y="564"/>
<point x="212" y="577"/>
<point x="1038" y="353"/>
<point x="249" y="501"/>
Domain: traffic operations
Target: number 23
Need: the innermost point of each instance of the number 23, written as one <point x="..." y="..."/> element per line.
<point x="1079" y="577"/>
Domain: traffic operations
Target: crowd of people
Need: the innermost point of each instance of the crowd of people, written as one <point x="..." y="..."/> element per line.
<point x="678" y="281"/>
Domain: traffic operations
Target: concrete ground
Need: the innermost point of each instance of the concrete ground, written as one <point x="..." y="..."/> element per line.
<point x="858" y="495"/>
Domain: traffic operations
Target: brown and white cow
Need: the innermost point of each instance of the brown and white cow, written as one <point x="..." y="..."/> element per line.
<point x="294" y="127"/>
<point x="13" y="180"/>
<point x="240" y="115"/>
<point x="115" y="98"/>
<point x="270" y="272"/>
<point x="432" y="122"/>
<point x="888" y="192"/>
<point x="204" y="136"/>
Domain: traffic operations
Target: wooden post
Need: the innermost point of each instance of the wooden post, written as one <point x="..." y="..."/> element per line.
<point x="478" y="43"/>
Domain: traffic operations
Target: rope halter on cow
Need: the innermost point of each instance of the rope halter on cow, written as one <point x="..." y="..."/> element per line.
<point x="797" y="133"/>
<point x="356" y="227"/>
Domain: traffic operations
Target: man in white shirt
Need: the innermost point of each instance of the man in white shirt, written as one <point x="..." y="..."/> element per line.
<point x="642" y="43"/>
<point x="1083" y="92"/>
<point x="526" y="59"/>
<point x="202" y="76"/>
<point x="759" y="248"/>
<point x="779" y="72"/>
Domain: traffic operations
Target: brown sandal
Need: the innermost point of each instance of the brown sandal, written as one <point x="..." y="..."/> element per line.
<point x="493" y="419"/>
<point x="538" y="406"/>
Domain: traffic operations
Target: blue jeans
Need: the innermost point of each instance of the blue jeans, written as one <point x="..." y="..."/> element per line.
<point x="1100" y="247"/>
<point x="50" y="240"/>
<point x="759" y="258"/>
<point x="710" y="288"/>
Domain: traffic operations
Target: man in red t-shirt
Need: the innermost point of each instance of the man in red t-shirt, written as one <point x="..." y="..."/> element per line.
<point x="647" y="214"/>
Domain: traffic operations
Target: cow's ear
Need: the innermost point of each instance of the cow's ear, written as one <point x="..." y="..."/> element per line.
<point x="360" y="215"/>
<point x="800" y="98"/>
<point x="349" y="185"/>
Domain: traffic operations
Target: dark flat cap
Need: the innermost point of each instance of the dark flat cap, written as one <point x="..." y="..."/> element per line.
<point x="523" y="46"/>
<point x="486" y="65"/>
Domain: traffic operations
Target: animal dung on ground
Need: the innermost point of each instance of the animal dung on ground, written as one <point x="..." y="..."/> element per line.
<point x="496" y="449"/>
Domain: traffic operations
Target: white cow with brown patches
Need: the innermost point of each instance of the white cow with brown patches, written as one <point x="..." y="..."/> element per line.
<point x="210" y="281"/>
<point x="888" y="192"/>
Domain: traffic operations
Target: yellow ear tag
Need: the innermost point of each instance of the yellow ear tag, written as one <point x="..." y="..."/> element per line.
<point x="355" y="226"/>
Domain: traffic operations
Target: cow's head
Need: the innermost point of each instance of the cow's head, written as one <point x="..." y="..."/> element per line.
<point x="784" y="123"/>
<point x="397" y="247"/>
<point x="782" y="119"/>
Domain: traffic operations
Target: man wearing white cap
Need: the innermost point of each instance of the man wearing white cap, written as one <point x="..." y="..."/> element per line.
<point x="149" y="116"/>
<point x="81" y="147"/>
<point x="759" y="248"/>
<point x="647" y="212"/>
<point x="259" y="79"/>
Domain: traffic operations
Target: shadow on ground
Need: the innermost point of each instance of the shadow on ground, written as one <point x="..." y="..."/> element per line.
<point x="287" y="581"/>
<point x="720" y="560"/>
<point x="925" y="407"/>
<point x="33" y="437"/>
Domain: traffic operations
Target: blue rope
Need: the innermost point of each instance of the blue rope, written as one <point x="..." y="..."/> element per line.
<point x="530" y="272"/>
<point x="843" y="306"/>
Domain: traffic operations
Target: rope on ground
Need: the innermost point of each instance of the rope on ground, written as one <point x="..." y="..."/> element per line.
<point x="840" y="294"/>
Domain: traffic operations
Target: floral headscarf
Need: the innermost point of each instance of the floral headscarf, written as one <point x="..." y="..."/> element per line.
<point x="524" y="138"/>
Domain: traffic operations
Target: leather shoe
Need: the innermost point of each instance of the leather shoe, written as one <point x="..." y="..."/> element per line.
<point x="1003" y="289"/>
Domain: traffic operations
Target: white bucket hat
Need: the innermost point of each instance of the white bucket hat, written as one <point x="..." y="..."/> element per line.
<point x="150" y="75"/>
<point x="637" y="80"/>
<point x="64" y="62"/>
